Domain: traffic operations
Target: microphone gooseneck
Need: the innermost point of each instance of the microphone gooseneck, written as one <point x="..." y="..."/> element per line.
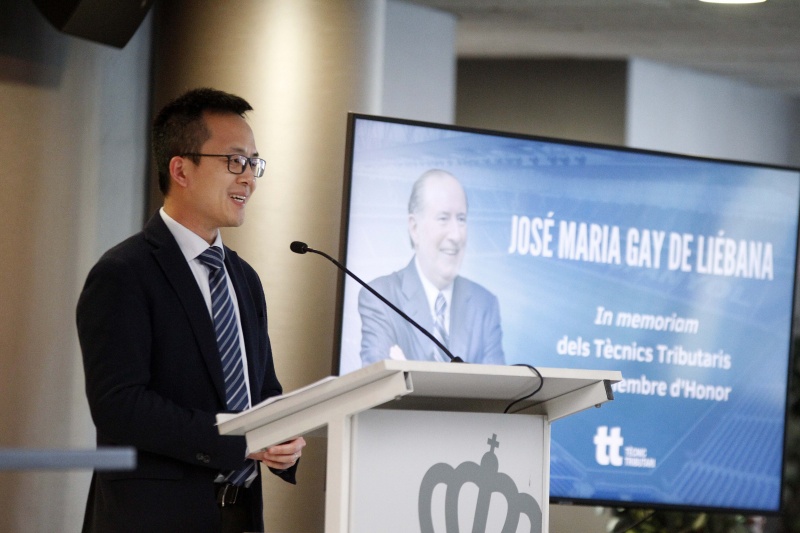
<point x="301" y="248"/>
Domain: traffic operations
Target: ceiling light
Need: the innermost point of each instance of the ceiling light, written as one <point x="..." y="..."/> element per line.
<point x="733" y="1"/>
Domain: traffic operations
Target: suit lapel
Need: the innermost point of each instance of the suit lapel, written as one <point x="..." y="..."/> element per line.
<point x="415" y="305"/>
<point x="173" y="263"/>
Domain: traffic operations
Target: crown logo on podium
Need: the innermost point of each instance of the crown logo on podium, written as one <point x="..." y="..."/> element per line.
<point x="489" y="481"/>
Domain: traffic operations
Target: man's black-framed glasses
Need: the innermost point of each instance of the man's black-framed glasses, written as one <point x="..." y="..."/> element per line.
<point x="238" y="162"/>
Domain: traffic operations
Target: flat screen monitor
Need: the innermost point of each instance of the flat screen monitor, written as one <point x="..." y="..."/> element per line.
<point x="677" y="271"/>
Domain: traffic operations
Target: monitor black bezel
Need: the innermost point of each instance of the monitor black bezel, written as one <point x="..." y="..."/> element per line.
<point x="352" y="118"/>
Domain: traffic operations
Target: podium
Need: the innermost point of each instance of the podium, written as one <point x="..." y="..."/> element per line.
<point x="404" y="439"/>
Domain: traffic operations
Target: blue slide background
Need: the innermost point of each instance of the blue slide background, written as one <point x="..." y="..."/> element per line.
<point x="713" y="454"/>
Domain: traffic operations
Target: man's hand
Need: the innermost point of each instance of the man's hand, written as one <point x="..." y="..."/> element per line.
<point x="281" y="456"/>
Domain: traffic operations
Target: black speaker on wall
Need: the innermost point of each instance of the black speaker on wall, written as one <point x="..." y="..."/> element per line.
<point x="110" y="22"/>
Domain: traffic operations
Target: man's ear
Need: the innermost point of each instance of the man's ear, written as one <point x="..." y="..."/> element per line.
<point x="412" y="230"/>
<point x="178" y="168"/>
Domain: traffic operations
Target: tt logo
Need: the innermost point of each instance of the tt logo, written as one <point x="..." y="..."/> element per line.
<point x="489" y="481"/>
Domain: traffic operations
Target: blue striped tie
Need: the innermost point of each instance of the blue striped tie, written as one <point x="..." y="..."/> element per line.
<point x="439" y="307"/>
<point x="227" y="328"/>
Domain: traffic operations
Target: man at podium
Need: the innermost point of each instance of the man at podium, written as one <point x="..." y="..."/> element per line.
<point x="173" y="330"/>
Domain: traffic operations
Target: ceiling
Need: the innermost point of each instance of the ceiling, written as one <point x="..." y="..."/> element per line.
<point x="758" y="43"/>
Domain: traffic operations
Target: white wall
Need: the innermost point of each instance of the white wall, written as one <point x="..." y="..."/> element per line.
<point x="72" y="135"/>
<point x="419" y="63"/>
<point x="683" y="111"/>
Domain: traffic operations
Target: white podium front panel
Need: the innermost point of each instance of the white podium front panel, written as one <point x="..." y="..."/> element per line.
<point x="423" y="471"/>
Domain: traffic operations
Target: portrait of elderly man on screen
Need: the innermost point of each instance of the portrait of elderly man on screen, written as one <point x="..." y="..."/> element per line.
<point x="463" y="315"/>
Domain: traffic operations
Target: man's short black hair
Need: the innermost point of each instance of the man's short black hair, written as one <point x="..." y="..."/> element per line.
<point x="179" y="127"/>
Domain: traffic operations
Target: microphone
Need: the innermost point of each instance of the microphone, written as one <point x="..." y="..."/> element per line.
<point x="301" y="248"/>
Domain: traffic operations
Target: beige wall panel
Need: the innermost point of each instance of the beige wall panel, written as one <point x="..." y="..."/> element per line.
<point x="72" y="135"/>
